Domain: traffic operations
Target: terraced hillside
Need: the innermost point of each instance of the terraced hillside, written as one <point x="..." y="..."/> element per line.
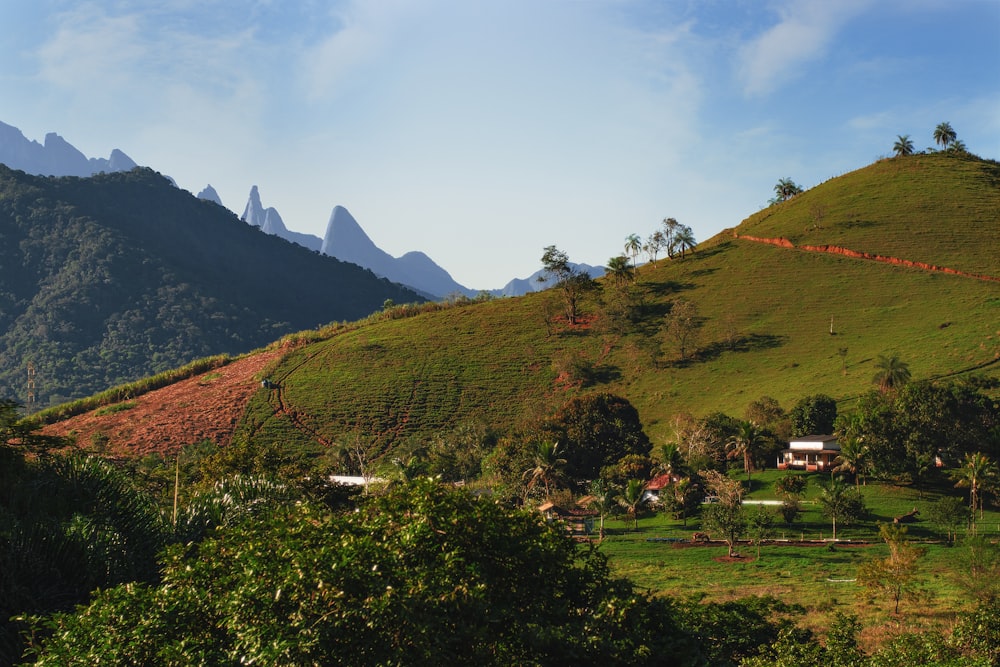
<point x="775" y="319"/>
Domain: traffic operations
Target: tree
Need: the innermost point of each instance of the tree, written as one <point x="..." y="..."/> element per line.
<point x="894" y="575"/>
<point x="948" y="514"/>
<point x="977" y="474"/>
<point x="425" y="575"/>
<point x="681" y="325"/>
<point x="853" y="457"/>
<point x="671" y="460"/>
<point x="603" y="500"/>
<point x="725" y="517"/>
<point x="571" y="281"/>
<point x="976" y="568"/>
<point x="785" y="189"/>
<point x="654" y="244"/>
<point x="813" y="415"/>
<point x="633" y="244"/>
<point x="891" y="372"/>
<point x="790" y="488"/>
<point x="840" y="502"/>
<point x="682" y="498"/>
<point x="632" y="499"/>
<point x="760" y="526"/>
<point x="547" y="469"/>
<point x="684" y="239"/>
<point x="595" y="431"/>
<point x="903" y="145"/>
<point x="620" y="270"/>
<point x="745" y="444"/>
<point x="670" y="226"/>
<point x="944" y="134"/>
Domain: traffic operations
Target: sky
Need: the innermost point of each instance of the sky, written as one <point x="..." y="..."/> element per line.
<point x="482" y="131"/>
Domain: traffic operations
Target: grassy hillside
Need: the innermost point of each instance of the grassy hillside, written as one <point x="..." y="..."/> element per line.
<point x="766" y="321"/>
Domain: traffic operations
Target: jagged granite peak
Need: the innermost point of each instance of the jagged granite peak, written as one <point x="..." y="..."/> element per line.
<point x="348" y="242"/>
<point x="253" y="212"/>
<point x="57" y="157"/>
<point x="121" y="162"/>
<point x="210" y="194"/>
<point x="270" y="222"/>
<point x="273" y="224"/>
<point x="345" y="240"/>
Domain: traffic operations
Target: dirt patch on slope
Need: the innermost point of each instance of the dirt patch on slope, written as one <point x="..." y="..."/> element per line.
<point x="205" y="407"/>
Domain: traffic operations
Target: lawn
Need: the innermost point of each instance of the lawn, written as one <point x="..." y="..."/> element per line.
<point x="659" y="557"/>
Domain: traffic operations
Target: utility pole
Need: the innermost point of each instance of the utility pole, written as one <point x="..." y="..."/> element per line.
<point x="30" y="407"/>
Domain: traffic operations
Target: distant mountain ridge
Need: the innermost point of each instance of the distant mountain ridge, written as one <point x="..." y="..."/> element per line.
<point x="57" y="157"/>
<point x="108" y="279"/>
<point x="347" y="241"/>
<point x="344" y="238"/>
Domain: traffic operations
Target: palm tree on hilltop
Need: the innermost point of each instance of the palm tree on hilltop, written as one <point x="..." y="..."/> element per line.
<point x="903" y="145"/>
<point x="944" y="135"/>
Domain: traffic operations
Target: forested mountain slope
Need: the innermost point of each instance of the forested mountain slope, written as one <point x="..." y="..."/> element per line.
<point x="118" y="276"/>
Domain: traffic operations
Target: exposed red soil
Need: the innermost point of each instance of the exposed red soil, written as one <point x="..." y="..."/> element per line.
<point x="205" y="407"/>
<point x="846" y="252"/>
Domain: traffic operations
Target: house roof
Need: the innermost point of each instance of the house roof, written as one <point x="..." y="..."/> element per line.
<point x="814" y="438"/>
<point x="659" y="482"/>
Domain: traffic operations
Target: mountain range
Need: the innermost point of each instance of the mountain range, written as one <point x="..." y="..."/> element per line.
<point x="344" y="238"/>
<point x="121" y="275"/>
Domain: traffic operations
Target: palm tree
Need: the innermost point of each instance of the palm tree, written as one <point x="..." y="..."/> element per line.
<point x="785" y="189"/>
<point x="603" y="500"/>
<point x="671" y="459"/>
<point x="746" y="442"/>
<point x="944" y="134"/>
<point x="903" y="145"/>
<point x="632" y="499"/>
<point x="547" y="469"/>
<point x="619" y="269"/>
<point x="891" y="372"/>
<point x="977" y="474"/>
<point x="684" y="239"/>
<point x="633" y="244"/>
<point x="839" y="501"/>
<point x="853" y="453"/>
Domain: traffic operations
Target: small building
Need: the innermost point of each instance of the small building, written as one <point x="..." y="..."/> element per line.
<point x="579" y="520"/>
<point x="651" y="492"/>
<point x="810" y="452"/>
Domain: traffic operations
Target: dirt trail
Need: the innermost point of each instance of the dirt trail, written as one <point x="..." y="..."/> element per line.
<point x="207" y="406"/>
<point x="846" y="252"/>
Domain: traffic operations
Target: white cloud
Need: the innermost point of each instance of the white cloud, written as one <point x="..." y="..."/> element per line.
<point x="803" y="34"/>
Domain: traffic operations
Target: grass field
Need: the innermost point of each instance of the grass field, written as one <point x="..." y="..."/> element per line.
<point x="659" y="557"/>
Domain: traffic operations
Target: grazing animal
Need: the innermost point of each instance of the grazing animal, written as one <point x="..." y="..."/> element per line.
<point x="909" y="517"/>
<point x="699" y="537"/>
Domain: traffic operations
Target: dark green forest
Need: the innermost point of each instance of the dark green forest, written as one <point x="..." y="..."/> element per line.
<point x="108" y="279"/>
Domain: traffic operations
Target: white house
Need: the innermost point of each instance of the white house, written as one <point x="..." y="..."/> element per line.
<point x="810" y="452"/>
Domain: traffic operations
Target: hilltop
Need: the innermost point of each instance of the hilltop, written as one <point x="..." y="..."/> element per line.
<point x="799" y="299"/>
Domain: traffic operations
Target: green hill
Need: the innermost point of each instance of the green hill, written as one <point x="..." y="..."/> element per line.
<point x="785" y="322"/>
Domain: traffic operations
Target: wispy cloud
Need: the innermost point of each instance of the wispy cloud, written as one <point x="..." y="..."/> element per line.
<point x="803" y="33"/>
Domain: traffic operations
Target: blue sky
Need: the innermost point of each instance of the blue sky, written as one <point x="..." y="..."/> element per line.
<point x="480" y="132"/>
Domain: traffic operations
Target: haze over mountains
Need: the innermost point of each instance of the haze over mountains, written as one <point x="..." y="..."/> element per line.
<point x="344" y="238"/>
